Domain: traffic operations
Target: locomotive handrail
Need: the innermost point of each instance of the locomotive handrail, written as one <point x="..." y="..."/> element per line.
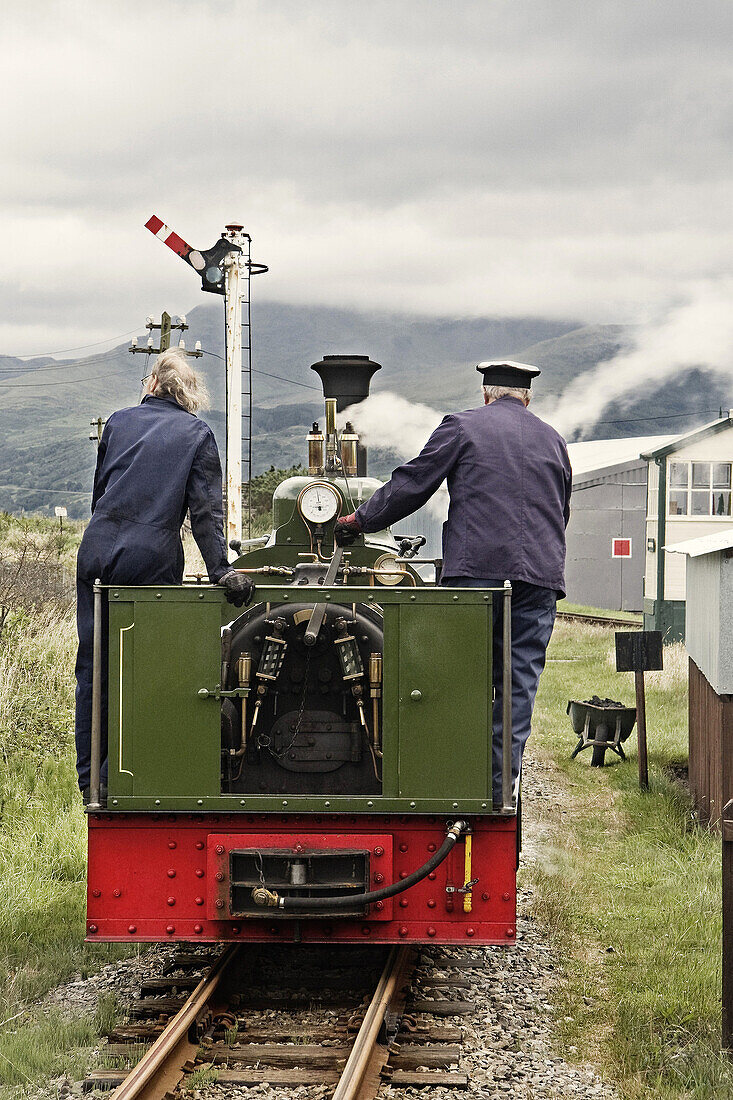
<point x="507" y="806"/>
<point x="95" y="782"/>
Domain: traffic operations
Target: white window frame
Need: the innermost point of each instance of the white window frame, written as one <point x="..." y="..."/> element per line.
<point x="689" y="489"/>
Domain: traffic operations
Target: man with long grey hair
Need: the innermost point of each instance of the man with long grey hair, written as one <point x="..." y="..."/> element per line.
<point x="156" y="462"/>
<point x="509" y="482"/>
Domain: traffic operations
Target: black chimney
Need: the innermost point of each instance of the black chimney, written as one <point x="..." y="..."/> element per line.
<point x="347" y="378"/>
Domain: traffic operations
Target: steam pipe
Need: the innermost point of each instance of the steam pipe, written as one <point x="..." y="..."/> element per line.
<point x="265" y="897"/>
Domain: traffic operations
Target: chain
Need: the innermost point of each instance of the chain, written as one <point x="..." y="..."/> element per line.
<point x="300" y="711"/>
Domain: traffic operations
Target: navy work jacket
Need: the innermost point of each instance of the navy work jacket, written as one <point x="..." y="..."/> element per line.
<point x="509" y="481"/>
<point x="156" y="461"/>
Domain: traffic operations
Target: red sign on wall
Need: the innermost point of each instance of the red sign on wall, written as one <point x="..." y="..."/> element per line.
<point x="620" y="548"/>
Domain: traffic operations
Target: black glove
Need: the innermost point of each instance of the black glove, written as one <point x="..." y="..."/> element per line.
<point x="347" y="530"/>
<point x="238" y="587"/>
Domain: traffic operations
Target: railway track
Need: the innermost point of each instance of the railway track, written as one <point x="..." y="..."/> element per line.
<point x="600" y="620"/>
<point x="346" y="1022"/>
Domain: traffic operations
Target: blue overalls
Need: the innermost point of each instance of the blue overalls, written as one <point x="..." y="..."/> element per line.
<point x="509" y="481"/>
<point x="156" y="461"/>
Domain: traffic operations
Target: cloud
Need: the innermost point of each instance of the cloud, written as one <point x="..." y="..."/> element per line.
<point x="554" y="158"/>
<point x="696" y="333"/>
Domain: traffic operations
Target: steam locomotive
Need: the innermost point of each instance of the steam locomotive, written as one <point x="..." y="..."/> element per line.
<point x="317" y="767"/>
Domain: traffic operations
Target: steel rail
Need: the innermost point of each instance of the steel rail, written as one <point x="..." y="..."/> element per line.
<point x="366" y="1057"/>
<point x="600" y="620"/>
<point x="168" y="1046"/>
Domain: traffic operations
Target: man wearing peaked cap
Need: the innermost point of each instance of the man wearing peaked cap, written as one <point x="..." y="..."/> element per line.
<point x="509" y="483"/>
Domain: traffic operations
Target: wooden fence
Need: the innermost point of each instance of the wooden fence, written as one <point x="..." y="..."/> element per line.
<point x="711" y="748"/>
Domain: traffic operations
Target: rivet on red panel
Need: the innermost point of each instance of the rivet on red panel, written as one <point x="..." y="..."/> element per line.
<point x="96" y="893"/>
<point x="171" y="901"/>
<point x="510" y="933"/>
<point x="200" y="872"/>
<point x="403" y="930"/>
<point x="431" y="903"/>
<point x="170" y="929"/>
<point x="470" y="932"/>
<point x="171" y="873"/>
<point x="404" y="903"/>
<point x="431" y="931"/>
<point x="198" y="928"/>
<point x="132" y="929"/>
<point x="199" y="901"/>
<point x="200" y="845"/>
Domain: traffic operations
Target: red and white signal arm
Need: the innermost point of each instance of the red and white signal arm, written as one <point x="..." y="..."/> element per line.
<point x="620" y="548"/>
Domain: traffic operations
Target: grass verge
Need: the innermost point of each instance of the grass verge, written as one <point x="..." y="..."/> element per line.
<point x="42" y="856"/>
<point x="629" y="885"/>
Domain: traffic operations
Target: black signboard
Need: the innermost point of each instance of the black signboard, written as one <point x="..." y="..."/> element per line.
<point x="638" y="650"/>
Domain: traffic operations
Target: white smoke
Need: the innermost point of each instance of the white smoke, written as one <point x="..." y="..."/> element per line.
<point x="698" y="334"/>
<point x="390" y="422"/>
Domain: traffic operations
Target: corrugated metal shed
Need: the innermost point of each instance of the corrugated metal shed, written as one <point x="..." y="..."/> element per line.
<point x="608" y="503"/>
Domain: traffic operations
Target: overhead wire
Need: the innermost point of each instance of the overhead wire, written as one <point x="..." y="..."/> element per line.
<point x="40" y="489"/>
<point x="279" y="377"/>
<point x="81" y="347"/>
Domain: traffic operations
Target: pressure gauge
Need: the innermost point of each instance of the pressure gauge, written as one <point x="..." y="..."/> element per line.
<point x="319" y="502"/>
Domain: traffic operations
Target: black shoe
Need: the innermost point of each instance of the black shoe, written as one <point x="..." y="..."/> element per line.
<point x="102" y="794"/>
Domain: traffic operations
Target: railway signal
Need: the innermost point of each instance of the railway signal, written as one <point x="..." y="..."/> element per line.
<point x="225" y="269"/>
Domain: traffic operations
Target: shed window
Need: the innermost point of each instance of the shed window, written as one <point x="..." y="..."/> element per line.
<point x="699" y="489"/>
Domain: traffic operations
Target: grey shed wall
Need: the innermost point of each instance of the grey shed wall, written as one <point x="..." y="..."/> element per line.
<point x="606" y="504"/>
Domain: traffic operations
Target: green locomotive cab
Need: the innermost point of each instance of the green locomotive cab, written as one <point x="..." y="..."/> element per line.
<point x="350" y="685"/>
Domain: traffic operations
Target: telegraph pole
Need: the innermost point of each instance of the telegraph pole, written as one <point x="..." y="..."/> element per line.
<point x="166" y="326"/>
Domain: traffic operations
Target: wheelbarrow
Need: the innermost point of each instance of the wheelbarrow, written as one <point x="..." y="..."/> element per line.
<point x="601" y="724"/>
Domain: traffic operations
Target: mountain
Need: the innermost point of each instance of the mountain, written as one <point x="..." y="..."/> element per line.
<point x="47" y="459"/>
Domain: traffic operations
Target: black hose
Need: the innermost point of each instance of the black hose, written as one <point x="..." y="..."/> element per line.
<point x="347" y="901"/>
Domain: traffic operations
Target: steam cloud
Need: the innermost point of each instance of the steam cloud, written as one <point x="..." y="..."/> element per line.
<point x="391" y="422"/>
<point x="696" y="334"/>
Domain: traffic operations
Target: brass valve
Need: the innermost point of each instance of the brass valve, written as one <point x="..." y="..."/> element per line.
<point x="266" y="898"/>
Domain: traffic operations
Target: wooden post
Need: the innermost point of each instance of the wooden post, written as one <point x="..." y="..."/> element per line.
<point x="639" y="651"/>
<point x="727" y="1031"/>
<point x="641" y="730"/>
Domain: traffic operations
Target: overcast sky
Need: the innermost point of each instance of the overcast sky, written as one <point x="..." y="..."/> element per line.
<point x="557" y="158"/>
